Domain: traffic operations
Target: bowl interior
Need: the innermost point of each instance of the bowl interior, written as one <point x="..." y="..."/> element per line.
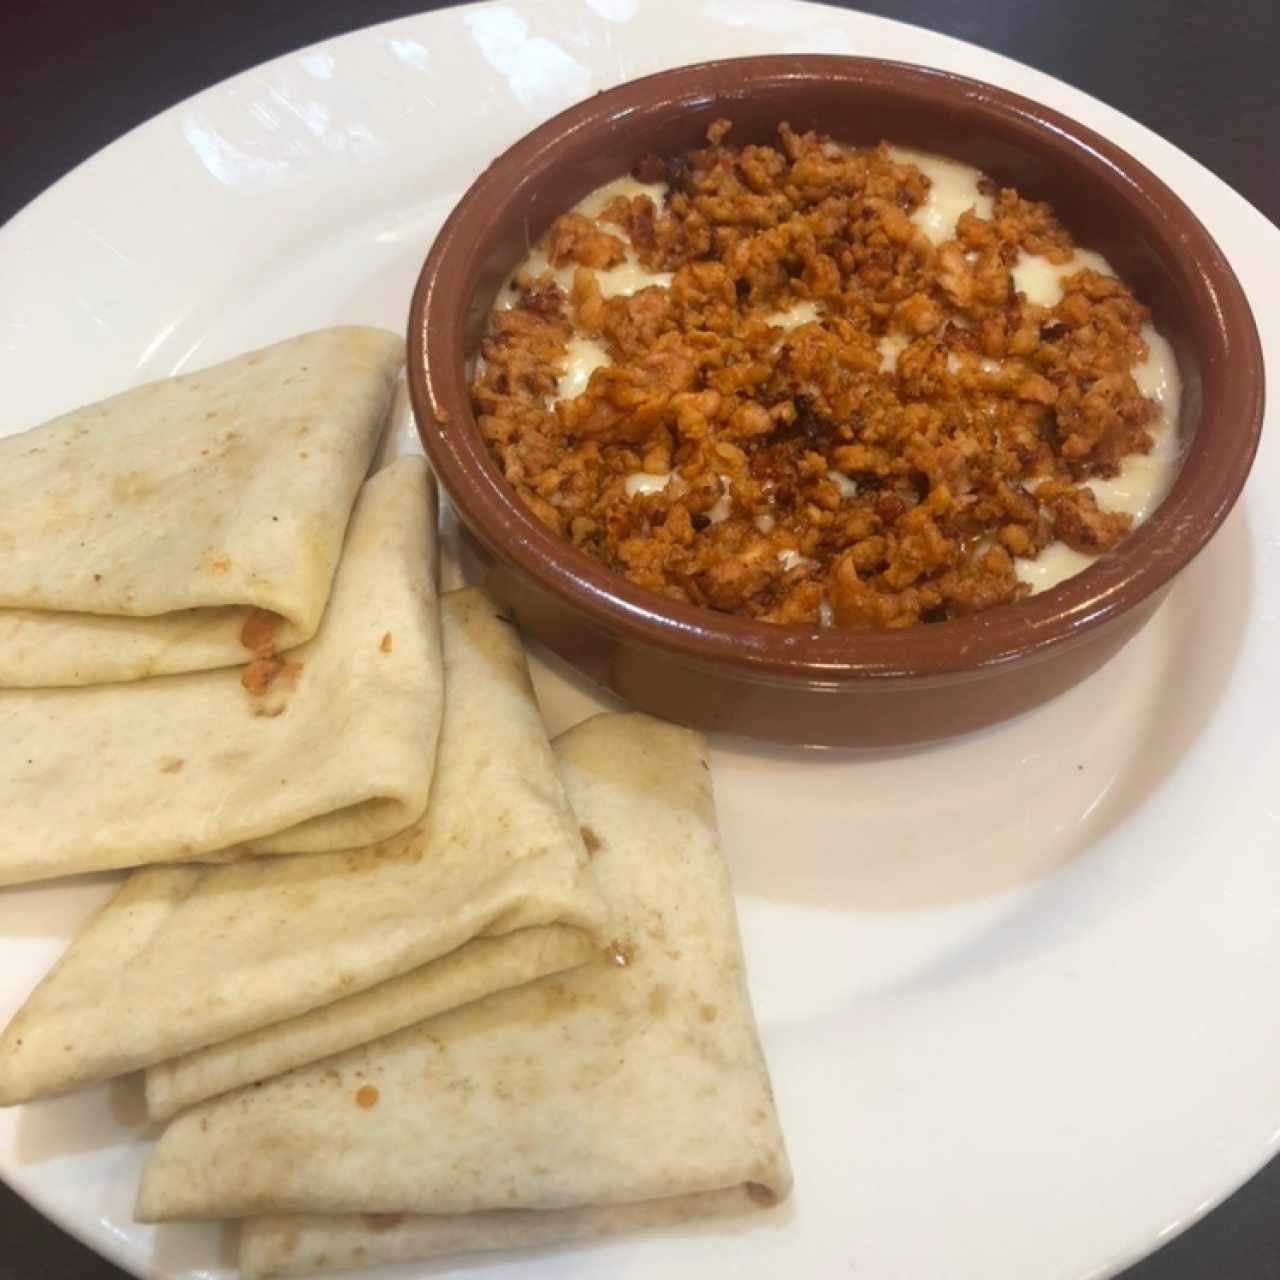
<point x="1107" y="200"/>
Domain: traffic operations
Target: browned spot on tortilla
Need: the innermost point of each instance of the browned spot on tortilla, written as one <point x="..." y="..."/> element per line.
<point x="383" y="1221"/>
<point x="268" y="682"/>
<point x="258" y="634"/>
<point x="557" y="999"/>
<point x="620" y="953"/>
<point x="97" y="577"/>
<point x="132" y="486"/>
<point x="659" y="998"/>
<point x="708" y="1013"/>
<point x="407" y="847"/>
<point x="259" y="675"/>
<point x="215" y="562"/>
<point x="171" y="764"/>
<point x="592" y="841"/>
<point x="760" y="1194"/>
<point x="367" y="1096"/>
<point x="385" y="646"/>
<point x="656" y="927"/>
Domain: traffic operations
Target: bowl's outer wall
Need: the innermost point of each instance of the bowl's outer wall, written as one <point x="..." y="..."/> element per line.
<point x="815" y="714"/>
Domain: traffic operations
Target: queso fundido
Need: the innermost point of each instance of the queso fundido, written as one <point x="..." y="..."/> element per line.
<point x="818" y="384"/>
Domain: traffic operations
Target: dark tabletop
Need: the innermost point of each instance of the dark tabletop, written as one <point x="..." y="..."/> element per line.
<point x="75" y="74"/>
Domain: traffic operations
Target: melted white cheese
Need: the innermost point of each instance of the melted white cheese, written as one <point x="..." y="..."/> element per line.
<point x="621" y="281"/>
<point x="1144" y="479"/>
<point x="583" y="358"/>
<point x="628" y="278"/>
<point x="722" y="509"/>
<point x="848" y="488"/>
<point x="1157" y="376"/>
<point x="798" y="314"/>
<point x="891" y="346"/>
<point x="644" y="482"/>
<point x="593" y="204"/>
<point x="1040" y="280"/>
<point x="953" y="190"/>
<point x="617" y="282"/>
<point x="1056" y="562"/>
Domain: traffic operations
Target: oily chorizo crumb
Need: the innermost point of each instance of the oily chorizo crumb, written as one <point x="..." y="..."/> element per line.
<point x="1078" y="520"/>
<point x="811" y="478"/>
<point x="575" y="238"/>
<point x="367" y="1097"/>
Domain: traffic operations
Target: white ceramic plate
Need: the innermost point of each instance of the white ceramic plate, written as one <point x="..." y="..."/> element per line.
<point x="1018" y="992"/>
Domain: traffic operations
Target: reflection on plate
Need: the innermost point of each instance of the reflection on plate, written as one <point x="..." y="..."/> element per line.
<point x="1017" y="991"/>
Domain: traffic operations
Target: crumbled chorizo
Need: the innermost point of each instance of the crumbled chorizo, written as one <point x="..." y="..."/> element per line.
<point x="876" y="459"/>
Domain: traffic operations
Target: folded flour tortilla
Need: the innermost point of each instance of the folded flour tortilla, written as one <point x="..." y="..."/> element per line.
<point x="326" y="748"/>
<point x="491" y="887"/>
<point x="304" y="1244"/>
<point x="192" y="522"/>
<point x="476" y="969"/>
<point x="630" y="1091"/>
<point x="497" y="797"/>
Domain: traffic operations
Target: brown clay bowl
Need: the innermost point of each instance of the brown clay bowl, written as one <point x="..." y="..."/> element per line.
<point x="831" y="687"/>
